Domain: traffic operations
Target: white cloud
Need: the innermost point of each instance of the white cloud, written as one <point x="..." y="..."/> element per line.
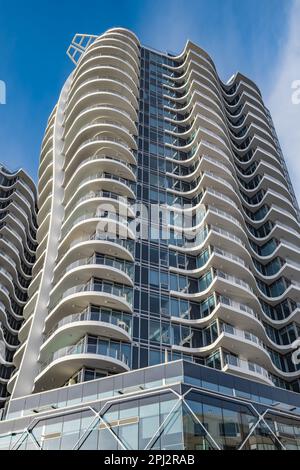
<point x="282" y="100"/>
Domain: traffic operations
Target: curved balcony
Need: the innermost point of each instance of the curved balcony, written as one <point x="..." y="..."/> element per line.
<point x="17" y="359"/>
<point x="106" y="159"/>
<point x="103" y="143"/>
<point x="20" y="222"/>
<point x="256" y="125"/>
<point x="106" y="198"/>
<point x="256" y="155"/>
<point x="43" y="228"/>
<point x="244" y="368"/>
<point x="121" y="265"/>
<point x="261" y="167"/>
<point x="238" y="80"/>
<point x="199" y="89"/>
<point x="104" y="85"/>
<point x="49" y="130"/>
<point x="103" y="112"/>
<point x="63" y="363"/>
<point x="99" y="63"/>
<point x="24" y="330"/>
<point x="220" y="259"/>
<point x="119" y="41"/>
<point x="100" y="185"/>
<point x="100" y="293"/>
<point x="23" y="200"/>
<point x="243" y="113"/>
<point x="47" y="158"/>
<point x="234" y="339"/>
<point x="114" y="325"/>
<point x="30" y="305"/>
<point x="195" y="62"/>
<point x="241" y="98"/>
<point x="205" y="180"/>
<point x="125" y="35"/>
<point x="8" y="319"/>
<point x="101" y="97"/>
<point x="13" y="251"/>
<point x="17" y="291"/>
<point x="45" y="176"/>
<point x="200" y="115"/>
<point x="269" y="197"/>
<point x="17" y="243"/>
<point x="118" y="50"/>
<point x="45" y="192"/>
<point x="227" y="310"/>
<point x="265" y="183"/>
<point x="240" y="116"/>
<point x="97" y="242"/>
<point x="11" y="305"/>
<point x="86" y="228"/>
<point x="102" y="266"/>
<point x="108" y="72"/>
<point x="102" y="129"/>
<point x="235" y="227"/>
<point x="111" y="213"/>
<point x="11" y="382"/>
<point x="47" y="146"/>
<point x="240" y="150"/>
<point x="44" y="210"/>
<point x="11" y="268"/>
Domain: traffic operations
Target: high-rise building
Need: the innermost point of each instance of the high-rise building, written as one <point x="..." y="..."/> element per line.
<point x="17" y="255"/>
<point x="164" y="307"/>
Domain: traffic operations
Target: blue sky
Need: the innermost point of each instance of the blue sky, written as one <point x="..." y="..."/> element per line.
<point x="258" y="38"/>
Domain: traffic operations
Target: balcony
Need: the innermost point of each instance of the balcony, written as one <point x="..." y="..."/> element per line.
<point x="90" y="351"/>
<point x="247" y="369"/>
<point x="103" y="317"/>
<point x="98" y="292"/>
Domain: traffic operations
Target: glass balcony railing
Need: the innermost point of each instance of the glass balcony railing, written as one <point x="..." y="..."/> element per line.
<point x="233" y="280"/>
<point x="106" y="105"/>
<point x="117" y="158"/>
<point x="228" y="255"/>
<point x="229" y="235"/>
<point x="95" y="285"/>
<point x="237" y="305"/>
<point x="109" y="176"/>
<point x="241" y="334"/>
<point x="100" y="215"/>
<point x="103" y="90"/>
<point x="104" y="121"/>
<point x="97" y="259"/>
<point x="100" y="194"/>
<point x="116" y="318"/>
<point x="88" y="345"/>
<point x="126" y="243"/>
<point x="246" y="366"/>
<point x="103" y="77"/>
<point x="104" y="138"/>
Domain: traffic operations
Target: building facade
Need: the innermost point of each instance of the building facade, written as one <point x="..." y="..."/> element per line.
<point x="175" y="406"/>
<point x="168" y="231"/>
<point x="18" y="226"/>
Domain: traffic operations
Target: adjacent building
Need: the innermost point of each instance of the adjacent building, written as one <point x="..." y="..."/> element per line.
<point x="167" y="270"/>
<point x="17" y="255"/>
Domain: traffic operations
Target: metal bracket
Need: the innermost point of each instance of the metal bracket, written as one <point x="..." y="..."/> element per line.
<point x="79" y="45"/>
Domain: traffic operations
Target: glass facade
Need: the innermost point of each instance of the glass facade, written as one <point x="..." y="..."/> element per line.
<point x="176" y="406"/>
<point x="176" y="241"/>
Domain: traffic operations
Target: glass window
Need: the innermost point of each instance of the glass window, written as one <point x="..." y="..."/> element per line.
<point x="154" y="277"/>
<point x="155" y="333"/>
<point x="154" y="304"/>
